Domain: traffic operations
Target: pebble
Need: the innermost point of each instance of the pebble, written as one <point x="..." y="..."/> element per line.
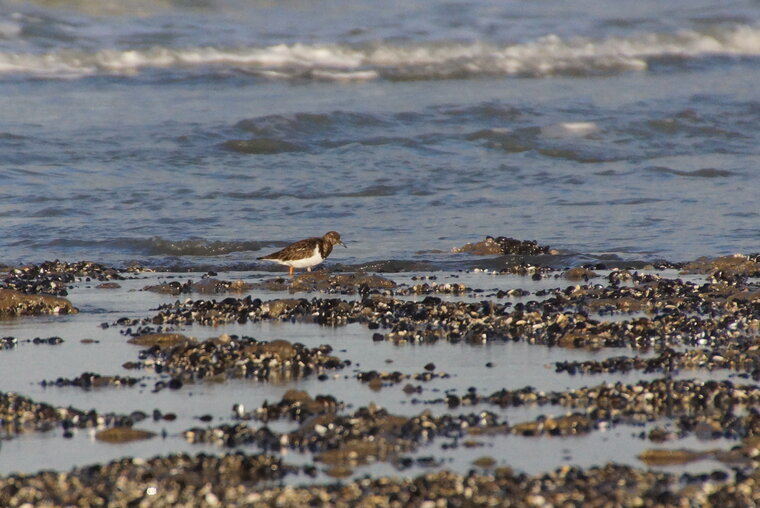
<point x="230" y="356"/>
<point x="53" y="277"/>
<point x="685" y="325"/>
<point x="504" y="245"/>
<point x="19" y="414"/>
<point x="15" y="303"/>
<point x="89" y="380"/>
<point x="682" y="314"/>
<point x="252" y="480"/>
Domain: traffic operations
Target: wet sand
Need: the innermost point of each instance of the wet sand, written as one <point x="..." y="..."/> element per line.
<point x="538" y="386"/>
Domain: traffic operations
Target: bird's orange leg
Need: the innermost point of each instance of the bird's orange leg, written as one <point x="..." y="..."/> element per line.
<point x="291" y="272"/>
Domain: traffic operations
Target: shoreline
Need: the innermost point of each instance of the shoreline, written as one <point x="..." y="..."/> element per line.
<point x="663" y="362"/>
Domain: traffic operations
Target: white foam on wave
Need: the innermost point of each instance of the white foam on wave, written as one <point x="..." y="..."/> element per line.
<point x="569" y="130"/>
<point x="346" y="76"/>
<point x="549" y="55"/>
<point x="9" y="29"/>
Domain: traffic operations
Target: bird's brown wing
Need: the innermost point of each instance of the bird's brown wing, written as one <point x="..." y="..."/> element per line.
<point x="300" y="249"/>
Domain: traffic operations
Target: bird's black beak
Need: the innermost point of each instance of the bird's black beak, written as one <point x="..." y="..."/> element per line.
<point x="344" y="245"/>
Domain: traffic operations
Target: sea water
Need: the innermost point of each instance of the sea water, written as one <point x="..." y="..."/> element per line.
<point x="166" y="131"/>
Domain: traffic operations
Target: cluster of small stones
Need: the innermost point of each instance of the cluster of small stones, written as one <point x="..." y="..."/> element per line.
<point x="247" y="480"/>
<point x="684" y="314"/>
<point x="15" y="303"/>
<point x="743" y="356"/>
<point x="521" y="247"/>
<point x="53" y="277"/>
<point x="230" y="356"/>
<point x="707" y="408"/>
<point x="90" y="380"/>
<point x="655" y="294"/>
<point x="511" y="293"/>
<point x="732" y="269"/>
<point x="580" y="273"/>
<point x="360" y="283"/>
<point x="346" y="283"/>
<point x="392" y="378"/>
<point x="175" y="480"/>
<point x="49" y="341"/>
<point x="19" y="414"/>
<point x="525" y="270"/>
<point x="455" y="289"/>
<point x="139" y="330"/>
<point x="724" y="315"/>
<point x="295" y="405"/>
<point x="725" y="408"/>
<point x="206" y="285"/>
<point x="425" y="288"/>
<point x="371" y="434"/>
<point x="504" y="245"/>
<point x="367" y="435"/>
<point x="12" y="342"/>
<point x="567" y="486"/>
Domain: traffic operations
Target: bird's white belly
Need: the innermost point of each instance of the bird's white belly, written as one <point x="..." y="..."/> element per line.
<point x="312" y="260"/>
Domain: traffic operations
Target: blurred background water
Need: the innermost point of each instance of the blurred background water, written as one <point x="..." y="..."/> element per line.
<point x="202" y="129"/>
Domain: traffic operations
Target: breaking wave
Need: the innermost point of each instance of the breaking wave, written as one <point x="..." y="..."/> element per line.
<point x="546" y="56"/>
<point x="157" y="246"/>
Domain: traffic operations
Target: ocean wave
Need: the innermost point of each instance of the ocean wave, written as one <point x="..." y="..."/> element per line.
<point x="261" y="146"/>
<point x="115" y="7"/>
<point x="9" y="29"/>
<point x="697" y="173"/>
<point x="570" y="130"/>
<point x="546" y="56"/>
<point x="157" y="246"/>
<point x="309" y="123"/>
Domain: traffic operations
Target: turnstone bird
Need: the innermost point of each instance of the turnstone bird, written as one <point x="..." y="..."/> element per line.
<point x="305" y="253"/>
